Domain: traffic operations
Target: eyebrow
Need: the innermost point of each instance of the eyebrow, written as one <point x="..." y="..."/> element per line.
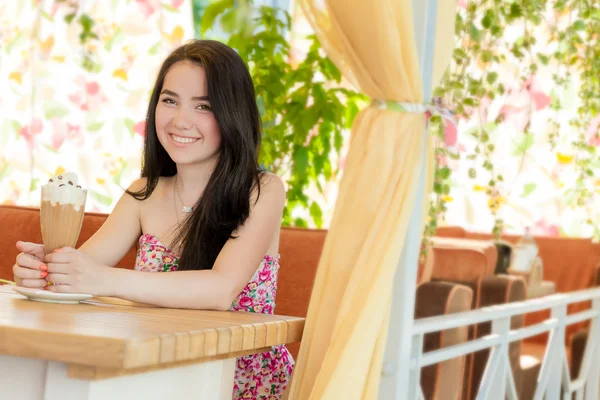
<point x="171" y="93"/>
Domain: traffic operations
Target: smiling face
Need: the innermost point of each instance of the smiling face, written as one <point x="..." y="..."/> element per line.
<point x="185" y="124"/>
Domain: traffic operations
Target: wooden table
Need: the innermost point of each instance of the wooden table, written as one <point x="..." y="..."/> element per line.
<point x="113" y="349"/>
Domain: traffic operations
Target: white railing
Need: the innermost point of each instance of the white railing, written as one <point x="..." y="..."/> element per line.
<point x="498" y="382"/>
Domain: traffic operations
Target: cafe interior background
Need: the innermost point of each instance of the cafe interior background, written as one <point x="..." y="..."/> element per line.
<point x="76" y="77"/>
<point x="523" y="83"/>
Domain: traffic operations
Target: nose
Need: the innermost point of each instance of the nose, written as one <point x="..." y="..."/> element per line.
<point x="181" y="121"/>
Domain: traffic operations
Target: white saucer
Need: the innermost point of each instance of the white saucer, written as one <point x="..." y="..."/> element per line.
<point x="46" y="296"/>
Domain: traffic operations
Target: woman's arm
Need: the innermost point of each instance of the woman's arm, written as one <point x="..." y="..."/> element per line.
<point x="237" y="262"/>
<point x="207" y="289"/>
<point x="119" y="232"/>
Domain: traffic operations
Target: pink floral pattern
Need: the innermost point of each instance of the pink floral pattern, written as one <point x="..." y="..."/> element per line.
<point x="261" y="376"/>
<point x="80" y="106"/>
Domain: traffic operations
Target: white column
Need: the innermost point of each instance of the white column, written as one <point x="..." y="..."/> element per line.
<point x="396" y="367"/>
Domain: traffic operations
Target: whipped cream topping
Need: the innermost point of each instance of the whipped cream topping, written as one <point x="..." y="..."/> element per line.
<point x="64" y="189"/>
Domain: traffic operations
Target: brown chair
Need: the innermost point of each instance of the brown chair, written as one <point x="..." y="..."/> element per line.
<point x="300" y="251"/>
<point x="450" y="232"/>
<point x="472" y="263"/>
<point x="443" y="380"/>
<point x="504" y="289"/>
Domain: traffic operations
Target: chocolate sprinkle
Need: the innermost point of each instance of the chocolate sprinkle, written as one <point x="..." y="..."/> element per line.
<point x="70" y="183"/>
<point x="78" y="186"/>
<point x="59" y="177"/>
<point x="61" y="185"/>
<point x="51" y="180"/>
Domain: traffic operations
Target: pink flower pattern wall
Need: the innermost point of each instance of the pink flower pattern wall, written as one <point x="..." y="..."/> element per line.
<point x="539" y="180"/>
<point x="81" y="107"/>
<point x="75" y="106"/>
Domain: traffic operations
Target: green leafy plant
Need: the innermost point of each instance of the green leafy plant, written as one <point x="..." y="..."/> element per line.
<point x="305" y="107"/>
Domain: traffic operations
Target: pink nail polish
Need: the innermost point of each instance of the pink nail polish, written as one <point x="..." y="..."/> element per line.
<point x="43" y="274"/>
<point x="43" y="267"/>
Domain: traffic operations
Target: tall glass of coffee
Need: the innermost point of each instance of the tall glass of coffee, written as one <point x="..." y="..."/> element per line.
<point x="61" y="212"/>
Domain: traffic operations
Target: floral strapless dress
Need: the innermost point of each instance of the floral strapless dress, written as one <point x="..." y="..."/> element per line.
<point x="261" y="376"/>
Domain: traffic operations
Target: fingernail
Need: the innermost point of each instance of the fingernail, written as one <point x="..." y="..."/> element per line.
<point x="43" y="274"/>
<point x="43" y="267"/>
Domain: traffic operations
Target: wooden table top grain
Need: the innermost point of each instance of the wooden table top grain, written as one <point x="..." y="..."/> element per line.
<point x="106" y="334"/>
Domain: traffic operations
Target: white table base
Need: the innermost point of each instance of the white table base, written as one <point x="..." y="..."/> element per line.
<point x="32" y="379"/>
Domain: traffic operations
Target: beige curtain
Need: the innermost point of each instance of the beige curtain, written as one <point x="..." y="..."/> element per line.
<point x="372" y="43"/>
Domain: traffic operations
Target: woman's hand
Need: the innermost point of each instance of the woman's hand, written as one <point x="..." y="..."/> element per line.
<point x="72" y="271"/>
<point x="29" y="269"/>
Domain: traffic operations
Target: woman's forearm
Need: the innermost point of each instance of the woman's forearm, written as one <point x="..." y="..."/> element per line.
<point x="206" y="290"/>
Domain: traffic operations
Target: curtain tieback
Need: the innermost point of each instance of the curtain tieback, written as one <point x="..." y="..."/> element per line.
<point x="436" y="108"/>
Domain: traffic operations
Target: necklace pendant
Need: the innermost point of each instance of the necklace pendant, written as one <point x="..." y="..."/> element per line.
<point x="187" y="209"/>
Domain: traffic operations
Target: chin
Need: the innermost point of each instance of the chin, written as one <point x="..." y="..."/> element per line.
<point x="180" y="159"/>
<point x="188" y="156"/>
<point x="185" y="159"/>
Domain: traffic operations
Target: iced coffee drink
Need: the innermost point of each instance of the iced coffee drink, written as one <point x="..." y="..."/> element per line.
<point x="61" y="211"/>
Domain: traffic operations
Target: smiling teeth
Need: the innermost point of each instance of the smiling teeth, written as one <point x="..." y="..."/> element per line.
<point x="183" y="140"/>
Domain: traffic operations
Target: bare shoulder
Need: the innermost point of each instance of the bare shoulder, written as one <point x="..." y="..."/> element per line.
<point x="272" y="189"/>
<point x="138" y="185"/>
<point x="267" y="203"/>
<point x="267" y="178"/>
<point x="128" y="203"/>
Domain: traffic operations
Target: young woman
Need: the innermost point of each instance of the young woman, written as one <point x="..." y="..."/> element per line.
<point x="203" y="210"/>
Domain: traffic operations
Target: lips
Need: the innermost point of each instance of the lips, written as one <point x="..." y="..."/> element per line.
<point x="183" y="140"/>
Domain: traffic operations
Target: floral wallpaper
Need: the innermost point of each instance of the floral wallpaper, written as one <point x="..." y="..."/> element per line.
<point x="75" y="78"/>
<point x="538" y="180"/>
<point x="524" y="145"/>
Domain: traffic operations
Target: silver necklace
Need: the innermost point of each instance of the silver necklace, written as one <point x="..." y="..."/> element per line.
<point x="185" y="209"/>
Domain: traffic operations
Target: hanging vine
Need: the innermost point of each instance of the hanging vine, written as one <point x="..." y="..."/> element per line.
<point x="477" y="78"/>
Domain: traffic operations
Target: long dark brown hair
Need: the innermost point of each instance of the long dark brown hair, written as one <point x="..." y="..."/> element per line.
<point x="225" y="203"/>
